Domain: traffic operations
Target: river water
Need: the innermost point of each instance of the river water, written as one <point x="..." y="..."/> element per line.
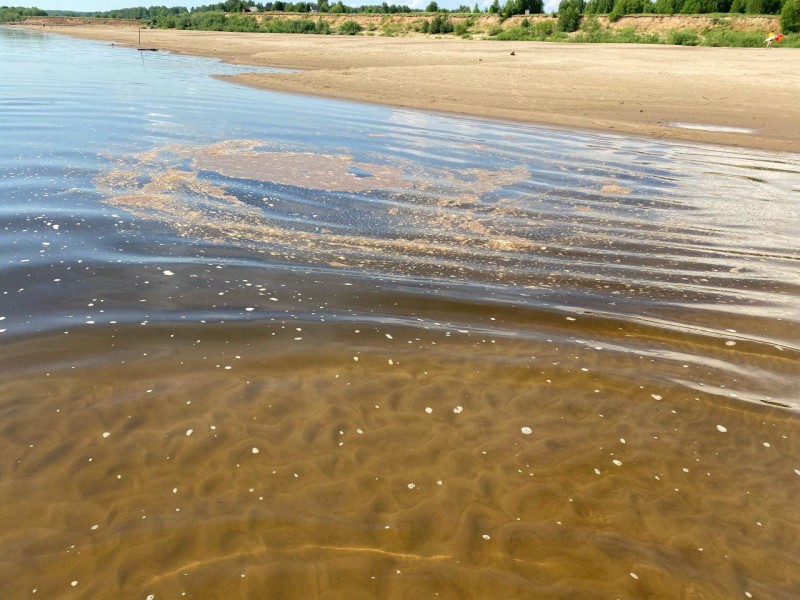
<point x="256" y="345"/>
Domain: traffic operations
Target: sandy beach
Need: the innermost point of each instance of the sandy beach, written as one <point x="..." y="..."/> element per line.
<point x="632" y="89"/>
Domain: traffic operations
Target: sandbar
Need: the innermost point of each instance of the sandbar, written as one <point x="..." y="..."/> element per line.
<point x="625" y="88"/>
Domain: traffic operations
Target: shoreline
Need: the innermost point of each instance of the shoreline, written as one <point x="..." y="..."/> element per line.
<point x="623" y="89"/>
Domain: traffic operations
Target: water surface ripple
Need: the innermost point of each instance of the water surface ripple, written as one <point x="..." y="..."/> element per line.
<point x="259" y="345"/>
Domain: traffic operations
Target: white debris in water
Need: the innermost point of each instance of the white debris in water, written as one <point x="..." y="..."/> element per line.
<point x="95" y="527"/>
<point x="411" y="486"/>
<point x="634" y="575"/>
<point x="249" y="309"/>
<point x="655" y="396"/>
<point x="189" y="432"/>
<point x="767" y="445"/>
<point x="597" y="471"/>
<point x="169" y="273"/>
<point x="797" y="472"/>
<point x="722" y="428"/>
<point x="730" y="343"/>
<point x="106" y="434"/>
<point x="458" y="410"/>
<point x="486" y="536"/>
<point x="389" y="336"/>
<point x="617" y="462"/>
<point x="621" y="440"/>
<point x="439" y="482"/>
<point x="748" y="594"/>
<point x="526" y="430"/>
<point x="74" y="583"/>
<point x="355" y="358"/>
<point x="570" y="318"/>
<point x="428" y="410"/>
<point x="254" y="450"/>
<point x="150" y="597"/>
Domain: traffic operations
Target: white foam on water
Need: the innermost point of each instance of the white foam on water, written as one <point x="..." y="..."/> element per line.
<point x="715" y="128"/>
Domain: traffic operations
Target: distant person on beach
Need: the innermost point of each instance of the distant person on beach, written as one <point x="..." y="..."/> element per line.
<point x="773" y="37"/>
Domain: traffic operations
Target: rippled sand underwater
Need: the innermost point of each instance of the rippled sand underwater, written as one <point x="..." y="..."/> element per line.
<point x="405" y="356"/>
<point x="528" y="397"/>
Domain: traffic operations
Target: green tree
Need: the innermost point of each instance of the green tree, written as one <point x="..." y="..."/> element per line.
<point x="432" y="7"/>
<point x="518" y="7"/>
<point x="476" y="9"/>
<point x="627" y="7"/>
<point x="569" y="15"/>
<point x="790" y="17"/>
<point x="599" y="7"/>
<point x="668" y="7"/>
<point x="494" y="8"/>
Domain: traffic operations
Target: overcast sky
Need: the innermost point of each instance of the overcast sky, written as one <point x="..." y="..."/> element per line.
<point x="102" y="5"/>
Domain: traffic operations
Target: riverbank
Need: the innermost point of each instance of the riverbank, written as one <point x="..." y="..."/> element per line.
<point x="642" y="90"/>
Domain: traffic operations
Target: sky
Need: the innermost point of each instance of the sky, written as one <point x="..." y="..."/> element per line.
<point x="103" y="5"/>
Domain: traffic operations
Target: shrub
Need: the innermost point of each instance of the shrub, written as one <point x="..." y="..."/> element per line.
<point x="544" y="28"/>
<point x="295" y="26"/>
<point x="240" y="23"/>
<point x="733" y="39"/>
<point x="517" y="33"/>
<point x="791" y="40"/>
<point x="684" y="37"/>
<point x="461" y="28"/>
<point x="440" y="24"/>
<point x="208" y="21"/>
<point x="349" y="27"/>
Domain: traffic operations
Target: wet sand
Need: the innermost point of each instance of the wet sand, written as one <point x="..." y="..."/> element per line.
<point x="623" y="88"/>
<point x="301" y="473"/>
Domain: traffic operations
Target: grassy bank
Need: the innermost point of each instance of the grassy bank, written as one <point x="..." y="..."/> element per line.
<point x="685" y="30"/>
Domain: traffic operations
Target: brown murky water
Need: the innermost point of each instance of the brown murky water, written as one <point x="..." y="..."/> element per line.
<point x="433" y="358"/>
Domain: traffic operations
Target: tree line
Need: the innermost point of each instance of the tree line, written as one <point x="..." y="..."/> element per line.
<point x="9" y="14"/>
<point x="570" y="12"/>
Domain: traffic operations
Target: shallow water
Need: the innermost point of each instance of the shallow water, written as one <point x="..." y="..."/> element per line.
<point x="257" y="345"/>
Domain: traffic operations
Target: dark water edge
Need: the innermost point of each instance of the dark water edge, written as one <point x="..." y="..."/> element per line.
<point x="256" y="345"/>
